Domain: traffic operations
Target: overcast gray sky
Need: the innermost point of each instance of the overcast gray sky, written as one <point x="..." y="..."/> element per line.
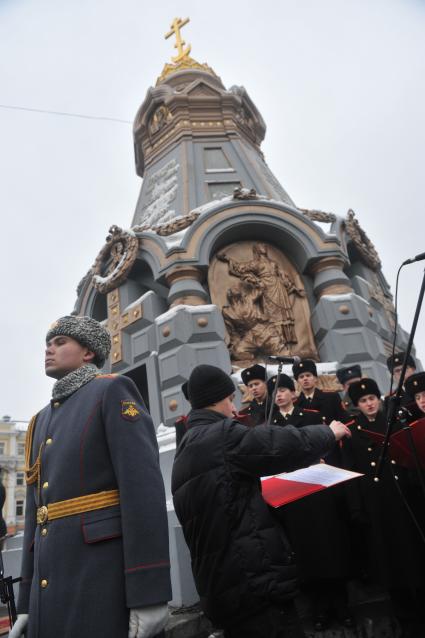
<point x="340" y="84"/>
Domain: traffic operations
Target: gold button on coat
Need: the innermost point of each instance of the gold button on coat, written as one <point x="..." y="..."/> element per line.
<point x="49" y="441"/>
<point x="44" y="531"/>
<point x="56" y="404"/>
<point x="44" y="583"/>
<point x="45" y="484"/>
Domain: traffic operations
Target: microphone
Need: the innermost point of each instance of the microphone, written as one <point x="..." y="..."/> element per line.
<point x="419" y="257"/>
<point x="286" y="359"/>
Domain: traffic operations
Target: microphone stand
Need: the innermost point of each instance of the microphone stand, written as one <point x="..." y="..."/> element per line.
<point x="395" y="400"/>
<point x="276" y="385"/>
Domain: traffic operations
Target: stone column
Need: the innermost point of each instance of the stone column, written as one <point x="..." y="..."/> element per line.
<point x="329" y="277"/>
<point x="185" y="286"/>
<point x="343" y="324"/>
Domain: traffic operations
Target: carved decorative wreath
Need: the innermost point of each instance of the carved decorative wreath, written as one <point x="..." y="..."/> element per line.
<point x="318" y="215"/>
<point x="115" y="260"/>
<point x="362" y="242"/>
<point x="177" y="225"/>
<point x="169" y="228"/>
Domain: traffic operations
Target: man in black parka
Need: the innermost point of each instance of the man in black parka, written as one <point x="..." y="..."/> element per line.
<point x="243" y="565"/>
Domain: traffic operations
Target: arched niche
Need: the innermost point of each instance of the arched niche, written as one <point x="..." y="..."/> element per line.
<point x="300" y="239"/>
<point x="263" y="302"/>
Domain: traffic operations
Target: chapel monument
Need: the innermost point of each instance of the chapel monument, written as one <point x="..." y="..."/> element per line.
<point x="220" y="265"/>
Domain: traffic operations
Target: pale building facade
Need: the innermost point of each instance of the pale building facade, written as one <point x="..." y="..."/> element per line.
<point x="12" y="457"/>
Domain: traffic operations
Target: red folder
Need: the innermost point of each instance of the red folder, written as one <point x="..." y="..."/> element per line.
<point x="277" y="492"/>
<point x="399" y="448"/>
<point x="4" y="626"/>
<point x="291" y="486"/>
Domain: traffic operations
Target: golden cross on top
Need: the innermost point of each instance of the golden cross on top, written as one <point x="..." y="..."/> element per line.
<point x="176" y="25"/>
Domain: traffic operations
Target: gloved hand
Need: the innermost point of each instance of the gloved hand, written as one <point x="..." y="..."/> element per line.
<point x="19" y="627"/>
<point x="146" y="622"/>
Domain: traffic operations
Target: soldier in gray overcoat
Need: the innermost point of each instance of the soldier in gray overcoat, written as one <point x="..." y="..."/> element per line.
<point x="95" y="555"/>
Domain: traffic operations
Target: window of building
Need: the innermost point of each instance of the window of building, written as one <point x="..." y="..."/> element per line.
<point x="19" y="508"/>
<point x="216" y="161"/>
<point x="218" y="190"/>
<point x="2" y="447"/>
<point x="19" y="478"/>
<point x="21" y="449"/>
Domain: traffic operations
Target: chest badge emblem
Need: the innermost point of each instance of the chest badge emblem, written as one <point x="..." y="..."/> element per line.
<point x="129" y="410"/>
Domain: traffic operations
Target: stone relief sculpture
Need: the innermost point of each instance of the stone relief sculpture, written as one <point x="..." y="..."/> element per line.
<point x="259" y="310"/>
<point x="384" y="298"/>
<point x="160" y="118"/>
<point x="367" y="250"/>
<point x="245" y="193"/>
<point x="318" y="215"/>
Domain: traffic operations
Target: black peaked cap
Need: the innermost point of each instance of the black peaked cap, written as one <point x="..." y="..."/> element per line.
<point x="305" y="365"/>
<point x="415" y="383"/>
<point x="359" y="389"/>
<point x="345" y="374"/>
<point x="398" y="360"/>
<point x="284" y="382"/>
<point x="254" y="372"/>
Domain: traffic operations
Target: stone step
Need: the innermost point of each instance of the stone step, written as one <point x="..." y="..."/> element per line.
<point x="372" y="622"/>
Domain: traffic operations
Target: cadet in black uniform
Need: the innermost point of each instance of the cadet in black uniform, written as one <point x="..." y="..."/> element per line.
<point x="323" y="555"/>
<point x="347" y="376"/>
<point x="389" y="546"/>
<point x="395" y="365"/>
<point x="328" y="403"/>
<point x="415" y="387"/>
<point x="285" y="411"/>
<point x="255" y="379"/>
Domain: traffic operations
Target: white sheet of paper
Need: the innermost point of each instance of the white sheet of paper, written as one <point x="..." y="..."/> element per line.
<point x="320" y="474"/>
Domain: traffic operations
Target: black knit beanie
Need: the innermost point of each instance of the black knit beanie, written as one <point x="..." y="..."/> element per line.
<point x="208" y="385"/>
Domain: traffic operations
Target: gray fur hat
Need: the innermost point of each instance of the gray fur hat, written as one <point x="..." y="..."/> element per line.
<point x="87" y="331"/>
